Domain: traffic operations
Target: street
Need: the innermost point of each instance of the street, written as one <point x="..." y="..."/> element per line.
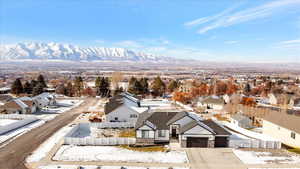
<point x="13" y="155"/>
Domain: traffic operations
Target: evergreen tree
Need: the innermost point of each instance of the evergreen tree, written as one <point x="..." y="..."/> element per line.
<point x="38" y="89"/>
<point x="78" y="85"/>
<point x="61" y="89"/>
<point x="97" y="82"/>
<point x="69" y="90"/>
<point x="41" y="81"/>
<point x="145" y="85"/>
<point x="17" y="87"/>
<point x="172" y="86"/>
<point x="33" y="83"/>
<point x="27" y="88"/>
<point x="131" y="85"/>
<point x="158" y="87"/>
<point x="247" y="89"/>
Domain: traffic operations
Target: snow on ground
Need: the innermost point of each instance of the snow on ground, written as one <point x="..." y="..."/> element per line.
<point x="252" y="157"/>
<point x="102" y="167"/>
<point x="4" y="122"/>
<point x="46" y="147"/>
<point x="62" y="106"/>
<point x="116" y="154"/>
<point x="248" y="133"/>
<point x="273" y="168"/>
<point x="98" y="107"/>
<point x="20" y="131"/>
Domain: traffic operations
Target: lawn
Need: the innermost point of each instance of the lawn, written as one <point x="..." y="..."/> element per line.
<point x="146" y="149"/>
<point x="127" y="133"/>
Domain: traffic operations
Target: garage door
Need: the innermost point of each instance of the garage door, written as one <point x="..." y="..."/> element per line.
<point x="221" y="142"/>
<point x="196" y="142"/>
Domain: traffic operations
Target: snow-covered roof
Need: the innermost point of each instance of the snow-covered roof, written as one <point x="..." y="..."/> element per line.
<point x="21" y="104"/>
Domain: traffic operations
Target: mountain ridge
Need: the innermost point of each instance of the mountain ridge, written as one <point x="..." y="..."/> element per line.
<point x="59" y="51"/>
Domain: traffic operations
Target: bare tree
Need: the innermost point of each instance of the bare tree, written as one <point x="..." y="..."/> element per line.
<point x="115" y="79"/>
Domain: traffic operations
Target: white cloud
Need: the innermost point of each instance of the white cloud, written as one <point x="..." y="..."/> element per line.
<point x="231" y="42"/>
<point x="295" y="41"/>
<point x="289" y="44"/>
<point x="224" y="19"/>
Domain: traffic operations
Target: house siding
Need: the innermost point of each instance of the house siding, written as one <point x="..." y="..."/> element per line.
<point x="281" y="133"/>
<point x="123" y="114"/>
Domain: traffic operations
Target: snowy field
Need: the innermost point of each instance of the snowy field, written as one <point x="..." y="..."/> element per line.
<point x="20" y="131"/>
<point x="46" y="147"/>
<point x="252" y="157"/>
<point x="116" y="154"/>
<point x="102" y="167"/>
<point x="4" y="122"/>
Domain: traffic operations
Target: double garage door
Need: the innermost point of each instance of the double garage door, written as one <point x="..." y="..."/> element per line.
<point x="196" y="142"/>
<point x="203" y="142"/>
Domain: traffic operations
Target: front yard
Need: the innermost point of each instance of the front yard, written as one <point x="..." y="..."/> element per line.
<point x="261" y="156"/>
<point x="103" y="167"/>
<point x="117" y="154"/>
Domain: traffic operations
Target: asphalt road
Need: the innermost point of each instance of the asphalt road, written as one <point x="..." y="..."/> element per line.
<point x="13" y="155"/>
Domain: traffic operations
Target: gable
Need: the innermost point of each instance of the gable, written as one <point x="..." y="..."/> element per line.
<point x="198" y="130"/>
<point x="123" y="110"/>
<point x="144" y="127"/>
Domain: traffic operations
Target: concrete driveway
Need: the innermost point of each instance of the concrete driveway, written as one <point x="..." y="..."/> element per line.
<point x="213" y="158"/>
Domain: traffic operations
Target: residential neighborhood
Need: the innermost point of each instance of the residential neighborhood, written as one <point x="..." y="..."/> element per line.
<point x="147" y="84"/>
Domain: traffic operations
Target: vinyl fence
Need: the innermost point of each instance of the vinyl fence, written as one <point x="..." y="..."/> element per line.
<point x="112" y="125"/>
<point x="16" y="116"/>
<point x="99" y="141"/>
<point x="16" y="125"/>
<point x="251" y="143"/>
<point x="74" y="137"/>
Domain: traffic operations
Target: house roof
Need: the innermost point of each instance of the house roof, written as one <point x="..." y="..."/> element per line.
<point x="219" y="130"/>
<point x="158" y="118"/>
<point x="14" y="105"/>
<point x="240" y="117"/>
<point x="213" y="100"/>
<point x="113" y="104"/>
<point x="181" y="115"/>
<point x="210" y="125"/>
<point x="193" y="124"/>
<point x="289" y="120"/>
<point x="177" y="117"/>
<point x="5" y="97"/>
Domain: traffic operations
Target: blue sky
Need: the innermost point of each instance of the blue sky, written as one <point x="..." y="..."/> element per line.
<point x="216" y="30"/>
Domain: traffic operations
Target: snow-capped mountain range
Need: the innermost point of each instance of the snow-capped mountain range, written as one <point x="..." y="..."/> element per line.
<point x="57" y="51"/>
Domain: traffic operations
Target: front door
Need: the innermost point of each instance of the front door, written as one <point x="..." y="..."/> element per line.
<point x="174" y="133"/>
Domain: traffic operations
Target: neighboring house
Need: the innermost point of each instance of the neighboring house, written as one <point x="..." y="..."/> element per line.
<point x="123" y="108"/>
<point x="186" y="128"/>
<point x="241" y="121"/>
<point x="295" y="103"/>
<point x="44" y="100"/>
<point x="280" y="99"/>
<point x="30" y="102"/>
<point x="186" y="86"/>
<point x="226" y="98"/>
<point x="20" y="107"/>
<point x="284" y="127"/>
<point x="5" y="90"/>
<point x="211" y="102"/>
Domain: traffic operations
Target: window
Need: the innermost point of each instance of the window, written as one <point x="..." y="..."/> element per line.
<point x="161" y="133"/>
<point x="293" y="135"/>
<point x="133" y="116"/>
<point x="116" y="118"/>
<point x="145" y="134"/>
